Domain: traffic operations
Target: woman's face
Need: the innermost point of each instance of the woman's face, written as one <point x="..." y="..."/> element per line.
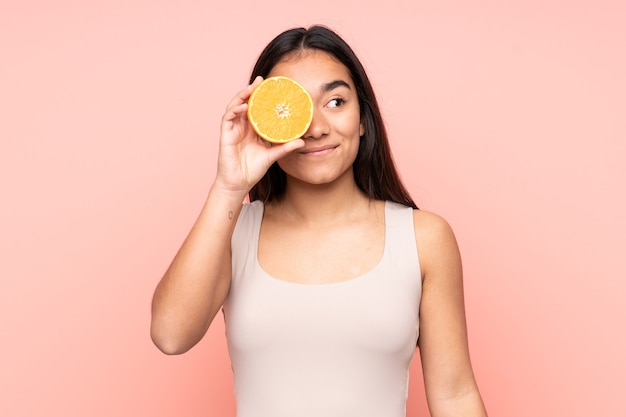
<point x="332" y="141"/>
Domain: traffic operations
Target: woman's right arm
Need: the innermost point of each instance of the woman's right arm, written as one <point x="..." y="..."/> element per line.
<point x="196" y="283"/>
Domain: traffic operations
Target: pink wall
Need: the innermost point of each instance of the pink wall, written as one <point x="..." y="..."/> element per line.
<point x="506" y="117"/>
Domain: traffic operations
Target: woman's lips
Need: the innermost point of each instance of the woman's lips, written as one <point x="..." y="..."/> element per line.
<point x="318" y="151"/>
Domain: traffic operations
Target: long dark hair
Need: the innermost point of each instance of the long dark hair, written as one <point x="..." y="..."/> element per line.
<point x="374" y="170"/>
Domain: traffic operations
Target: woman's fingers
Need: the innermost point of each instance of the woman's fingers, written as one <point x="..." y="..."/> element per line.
<point x="243" y="95"/>
<point x="235" y="112"/>
<point x="234" y="119"/>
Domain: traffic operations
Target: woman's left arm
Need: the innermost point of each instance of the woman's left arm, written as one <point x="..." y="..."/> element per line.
<point x="451" y="388"/>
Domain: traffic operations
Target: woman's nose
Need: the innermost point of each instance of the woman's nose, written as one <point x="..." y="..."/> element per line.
<point x="319" y="126"/>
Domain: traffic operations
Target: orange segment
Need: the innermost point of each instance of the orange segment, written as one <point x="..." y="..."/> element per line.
<point x="280" y="109"/>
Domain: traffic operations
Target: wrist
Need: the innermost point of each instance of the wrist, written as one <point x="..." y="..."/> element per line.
<point x="226" y="194"/>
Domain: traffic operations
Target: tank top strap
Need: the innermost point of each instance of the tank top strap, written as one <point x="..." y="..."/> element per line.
<point x="400" y="236"/>
<point x="245" y="239"/>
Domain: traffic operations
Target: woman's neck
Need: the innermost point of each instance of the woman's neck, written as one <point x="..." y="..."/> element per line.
<point x="321" y="205"/>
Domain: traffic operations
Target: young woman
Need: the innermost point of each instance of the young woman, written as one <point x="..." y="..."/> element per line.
<point x="330" y="276"/>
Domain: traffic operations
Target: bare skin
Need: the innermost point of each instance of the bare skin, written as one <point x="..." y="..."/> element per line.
<point x="325" y="224"/>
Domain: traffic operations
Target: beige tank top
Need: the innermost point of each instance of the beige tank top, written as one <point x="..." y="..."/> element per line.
<point x="323" y="350"/>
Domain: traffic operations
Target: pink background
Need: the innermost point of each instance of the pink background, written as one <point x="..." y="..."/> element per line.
<point x="507" y="118"/>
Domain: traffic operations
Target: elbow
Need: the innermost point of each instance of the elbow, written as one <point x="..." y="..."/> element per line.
<point x="168" y="347"/>
<point x="169" y="342"/>
<point x="174" y="333"/>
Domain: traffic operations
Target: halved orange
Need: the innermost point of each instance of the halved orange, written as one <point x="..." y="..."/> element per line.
<point x="280" y="109"/>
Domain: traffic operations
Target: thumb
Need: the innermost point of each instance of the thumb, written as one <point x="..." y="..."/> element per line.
<point x="278" y="151"/>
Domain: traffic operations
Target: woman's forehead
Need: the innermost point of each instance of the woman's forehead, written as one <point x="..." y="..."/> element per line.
<point x="312" y="68"/>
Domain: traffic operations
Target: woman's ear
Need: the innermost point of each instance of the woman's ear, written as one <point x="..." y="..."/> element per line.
<point x="361" y="129"/>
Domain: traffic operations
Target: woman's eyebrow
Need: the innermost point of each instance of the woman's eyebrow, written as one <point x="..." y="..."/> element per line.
<point x="334" y="84"/>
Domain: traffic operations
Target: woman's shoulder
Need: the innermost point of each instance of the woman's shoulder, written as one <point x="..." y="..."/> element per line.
<point x="429" y="223"/>
<point x="434" y="237"/>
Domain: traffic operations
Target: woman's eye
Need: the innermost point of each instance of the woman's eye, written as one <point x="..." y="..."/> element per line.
<point x="336" y="102"/>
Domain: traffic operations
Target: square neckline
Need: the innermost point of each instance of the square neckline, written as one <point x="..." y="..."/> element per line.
<point x="361" y="277"/>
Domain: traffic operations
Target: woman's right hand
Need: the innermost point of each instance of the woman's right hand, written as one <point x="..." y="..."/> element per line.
<point x="243" y="156"/>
